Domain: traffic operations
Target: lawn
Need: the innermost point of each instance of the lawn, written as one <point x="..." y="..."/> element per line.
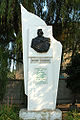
<point x="71" y="115"/>
<point x="9" y="112"/>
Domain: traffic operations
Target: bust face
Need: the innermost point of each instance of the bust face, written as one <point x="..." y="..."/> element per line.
<point x="40" y="44"/>
<point x="40" y="33"/>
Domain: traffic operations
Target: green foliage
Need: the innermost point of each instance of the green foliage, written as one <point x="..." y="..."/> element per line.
<point x="11" y="75"/>
<point x="18" y="50"/>
<point x="64" y="15"/>
<point x="73" y="71"/>
<point x="28" y="4"/>
<point x="9" y="113"/>
<point x="3" y="70"/>
<point x="72" y="115"/>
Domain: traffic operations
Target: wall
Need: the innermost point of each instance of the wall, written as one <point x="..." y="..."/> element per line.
<point x="64" y="94"/>
<point x="15" y="93"/>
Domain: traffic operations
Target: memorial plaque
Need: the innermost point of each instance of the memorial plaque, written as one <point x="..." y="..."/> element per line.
<point x="41" y="75"/>
<point x="40" y="60"/>
<point x="34" y="60"/>
<point x="45" y="60"/>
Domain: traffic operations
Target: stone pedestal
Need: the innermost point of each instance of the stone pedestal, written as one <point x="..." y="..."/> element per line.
<point x="40" y="115"/>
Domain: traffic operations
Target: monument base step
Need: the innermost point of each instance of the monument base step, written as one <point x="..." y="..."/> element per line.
<point x="40" y="115"/>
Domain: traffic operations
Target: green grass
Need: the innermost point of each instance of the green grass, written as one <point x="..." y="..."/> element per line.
<point x="9" y="112"/>
<point x="72" y="115"/>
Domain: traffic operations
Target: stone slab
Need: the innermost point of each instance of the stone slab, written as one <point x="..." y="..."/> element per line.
<point x="40" y="115"/>
<point x="43" y="72"/>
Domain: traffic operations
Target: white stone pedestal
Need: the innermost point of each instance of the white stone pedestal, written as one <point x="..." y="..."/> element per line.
<point x="40" y="115"/>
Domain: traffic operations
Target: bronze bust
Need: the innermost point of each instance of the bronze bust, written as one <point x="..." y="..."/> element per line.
<point x="40" y="44"/>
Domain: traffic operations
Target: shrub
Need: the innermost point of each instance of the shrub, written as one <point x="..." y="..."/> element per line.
<point x="9" y="113"/>
<point x="72" y="115"/>
<point x="73" y="72"/>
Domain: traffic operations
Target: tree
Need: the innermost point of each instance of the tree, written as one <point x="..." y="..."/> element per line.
<point x="73" y="72"/>
<point x="64" y="15"/>
<point x="10" y="37"/>
<point x="3" y="70"/>
<point x="8" y="29"/>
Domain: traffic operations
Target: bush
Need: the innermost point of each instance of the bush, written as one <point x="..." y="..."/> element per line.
<point x="73" y="72"/>
<point x="9" y="112"/>
<point x="73" y="79"/>
<point x="72" y="115"/>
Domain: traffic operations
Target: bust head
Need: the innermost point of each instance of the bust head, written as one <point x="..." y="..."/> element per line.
<point x="40" y="43"/>
<point x="39" y="32"/>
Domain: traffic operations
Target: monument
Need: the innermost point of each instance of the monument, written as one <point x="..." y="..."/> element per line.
<point x="41" y="58"/>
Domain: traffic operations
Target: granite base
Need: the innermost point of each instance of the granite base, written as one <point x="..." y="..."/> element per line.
<point x="40" y="115"/>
